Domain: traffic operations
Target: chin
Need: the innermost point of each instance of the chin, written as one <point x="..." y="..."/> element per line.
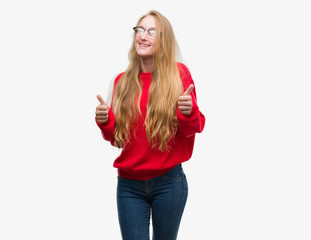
<point x="144" y="55"/>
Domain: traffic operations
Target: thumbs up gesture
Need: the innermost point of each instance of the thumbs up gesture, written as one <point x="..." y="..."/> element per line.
<point x="185" y="101"/>
<point x="101" y="110"/>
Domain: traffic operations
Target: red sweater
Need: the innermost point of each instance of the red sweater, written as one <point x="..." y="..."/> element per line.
<point x="138" y="160"/>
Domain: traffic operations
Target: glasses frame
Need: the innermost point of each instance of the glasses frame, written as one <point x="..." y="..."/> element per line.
<point x="148" y="31"/>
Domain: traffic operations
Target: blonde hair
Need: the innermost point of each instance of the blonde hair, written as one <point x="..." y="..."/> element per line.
<point x="165" y="88"/>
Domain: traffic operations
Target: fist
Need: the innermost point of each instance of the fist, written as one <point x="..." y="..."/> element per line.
<point x="185" y="101"/>
<point x="101" y="110"/>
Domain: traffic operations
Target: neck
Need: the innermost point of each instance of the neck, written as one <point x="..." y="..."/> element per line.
<point x="146" y="64"/>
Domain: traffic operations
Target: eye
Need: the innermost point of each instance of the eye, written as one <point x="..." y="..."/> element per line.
<point x="140" y="30"/>
<point x="153" y="32"/>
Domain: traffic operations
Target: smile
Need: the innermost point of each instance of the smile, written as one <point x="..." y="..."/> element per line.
<point x="144" y="45"/>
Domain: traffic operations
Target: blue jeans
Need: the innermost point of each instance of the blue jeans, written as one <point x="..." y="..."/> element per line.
<point x="163" y="197"/>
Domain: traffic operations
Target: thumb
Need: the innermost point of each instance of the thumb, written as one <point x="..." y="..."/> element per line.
<point x="189" y="90"/>
<point x="101" y="100"/>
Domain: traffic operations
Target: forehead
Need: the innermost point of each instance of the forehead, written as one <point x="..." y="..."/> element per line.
<point x="148" y="22"/>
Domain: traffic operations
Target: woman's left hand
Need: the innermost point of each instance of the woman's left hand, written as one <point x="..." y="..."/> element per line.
<point x="185" y="101"/>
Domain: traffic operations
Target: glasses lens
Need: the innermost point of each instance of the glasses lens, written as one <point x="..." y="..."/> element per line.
<point x="152" y="32"/>
<point x="139" y="30"/>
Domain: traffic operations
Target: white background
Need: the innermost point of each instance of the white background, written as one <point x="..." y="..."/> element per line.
<point x="249" y="177"/>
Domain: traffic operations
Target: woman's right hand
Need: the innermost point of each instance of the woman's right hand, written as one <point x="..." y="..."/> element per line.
<point x="101" y="110"/>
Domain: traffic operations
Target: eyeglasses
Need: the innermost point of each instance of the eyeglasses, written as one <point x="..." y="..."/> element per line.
<point x="151" y="33"/>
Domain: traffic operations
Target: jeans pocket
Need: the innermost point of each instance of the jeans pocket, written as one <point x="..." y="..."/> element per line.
<point x="175" y="174"/>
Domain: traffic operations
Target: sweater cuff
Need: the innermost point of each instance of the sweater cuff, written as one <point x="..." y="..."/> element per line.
<point x="185" y="118"/>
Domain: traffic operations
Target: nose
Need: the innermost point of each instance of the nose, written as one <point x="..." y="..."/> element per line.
<point x="144" y="35"/>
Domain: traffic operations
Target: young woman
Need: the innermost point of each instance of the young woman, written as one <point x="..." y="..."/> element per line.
<point x="153" y="117"/>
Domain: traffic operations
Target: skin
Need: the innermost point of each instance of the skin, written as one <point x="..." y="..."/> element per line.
<point x="145" y="48"/>
<point x="185" y="101"/>
<point x="101" y="110"/>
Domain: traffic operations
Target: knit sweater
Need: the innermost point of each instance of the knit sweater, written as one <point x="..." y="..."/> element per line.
<point x="139" y="160"/>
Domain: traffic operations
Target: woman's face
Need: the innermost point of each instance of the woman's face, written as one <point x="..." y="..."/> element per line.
<point x="145" y="43"/>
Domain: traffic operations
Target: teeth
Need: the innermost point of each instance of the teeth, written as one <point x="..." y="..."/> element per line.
<point x="144" y="45"/>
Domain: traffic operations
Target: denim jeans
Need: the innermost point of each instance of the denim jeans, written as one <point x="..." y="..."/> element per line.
<point x="163" y="197"/>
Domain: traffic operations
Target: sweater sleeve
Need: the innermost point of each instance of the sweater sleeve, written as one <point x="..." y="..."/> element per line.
<point x="107" y="128"/>
<point x="189" y="125"/>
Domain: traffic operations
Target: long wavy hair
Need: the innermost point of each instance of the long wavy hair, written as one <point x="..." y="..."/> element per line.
<point x="165" y="88"/>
